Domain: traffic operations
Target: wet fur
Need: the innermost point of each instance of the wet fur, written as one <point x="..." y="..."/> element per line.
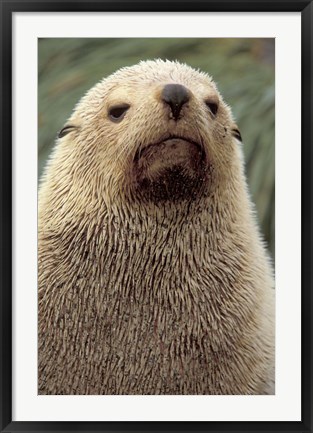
<point x="142" y="291"/>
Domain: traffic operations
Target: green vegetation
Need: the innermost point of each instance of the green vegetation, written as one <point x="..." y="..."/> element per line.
<point x="242" y="68"/>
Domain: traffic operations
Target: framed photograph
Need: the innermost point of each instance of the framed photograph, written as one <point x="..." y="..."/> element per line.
<point x="156" y="216"/>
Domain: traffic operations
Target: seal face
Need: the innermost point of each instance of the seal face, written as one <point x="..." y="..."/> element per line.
<point x="153" y="278"/>
<point x="165" y="133"/>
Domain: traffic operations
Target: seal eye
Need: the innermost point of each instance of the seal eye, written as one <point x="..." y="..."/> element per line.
<point x="117" y="112"/>
<point x="212" y="106"/>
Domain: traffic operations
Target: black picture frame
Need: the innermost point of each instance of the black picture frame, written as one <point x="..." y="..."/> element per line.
<point x="7" y="10"/>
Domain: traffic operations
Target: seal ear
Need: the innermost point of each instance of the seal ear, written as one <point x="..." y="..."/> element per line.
<point x="66" y="130"/>
<point x="236" y="133"/>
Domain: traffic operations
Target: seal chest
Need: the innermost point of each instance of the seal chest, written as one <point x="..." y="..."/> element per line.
<point x="153" y="278"/>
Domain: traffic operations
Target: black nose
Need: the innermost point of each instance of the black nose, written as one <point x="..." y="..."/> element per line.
<point x="175" y="95"/>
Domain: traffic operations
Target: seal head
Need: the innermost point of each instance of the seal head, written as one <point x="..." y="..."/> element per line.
<point x="161" y="137"/>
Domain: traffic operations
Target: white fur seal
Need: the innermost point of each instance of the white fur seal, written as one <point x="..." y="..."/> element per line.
<point x="153" y="278"/>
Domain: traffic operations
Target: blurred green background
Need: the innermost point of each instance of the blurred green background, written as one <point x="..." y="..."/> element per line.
<point x="244" y="70"/>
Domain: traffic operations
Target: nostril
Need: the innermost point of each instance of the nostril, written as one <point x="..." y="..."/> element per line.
<point x="175" y="95"/>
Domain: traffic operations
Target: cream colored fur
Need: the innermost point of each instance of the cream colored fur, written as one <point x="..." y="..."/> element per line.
<point x="141" y="297"/>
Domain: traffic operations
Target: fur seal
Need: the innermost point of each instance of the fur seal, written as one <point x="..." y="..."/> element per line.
<point x="153" y="278"/>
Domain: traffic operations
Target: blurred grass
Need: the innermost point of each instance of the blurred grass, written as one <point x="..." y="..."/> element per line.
<point x="242" y="68"/>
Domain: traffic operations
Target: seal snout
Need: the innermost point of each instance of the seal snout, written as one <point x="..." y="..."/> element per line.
<point x="176" y="96"/>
